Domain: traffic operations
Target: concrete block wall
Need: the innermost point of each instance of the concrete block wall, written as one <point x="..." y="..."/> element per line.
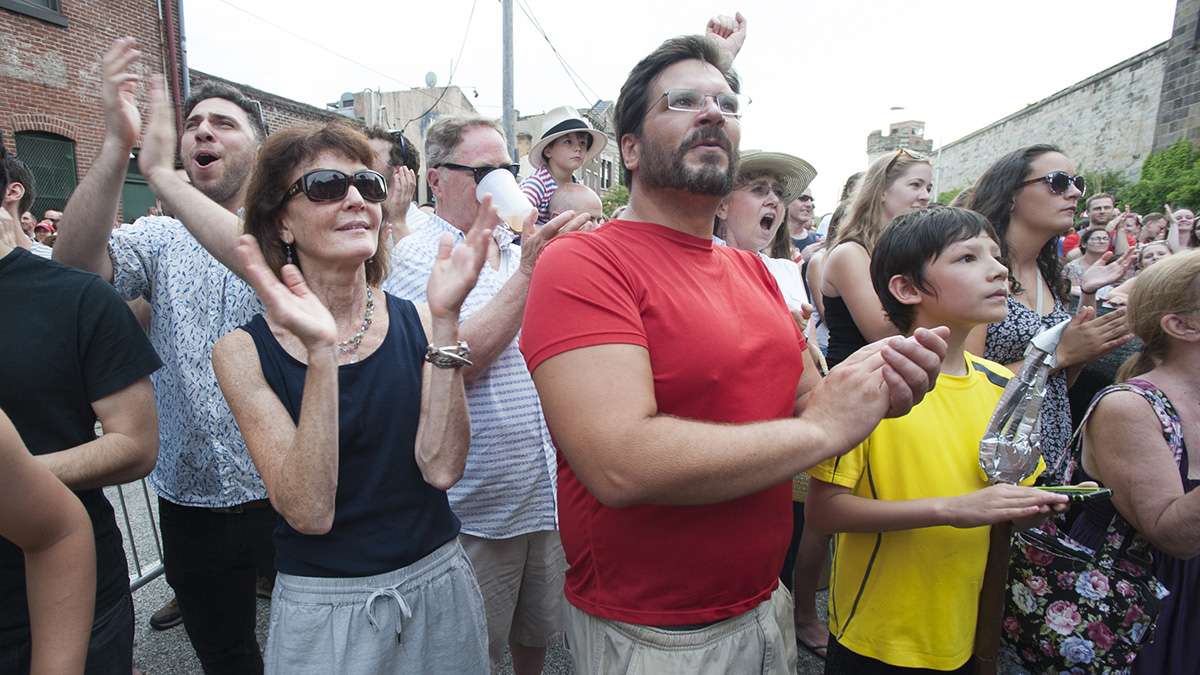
<point x="1105" y="122"/>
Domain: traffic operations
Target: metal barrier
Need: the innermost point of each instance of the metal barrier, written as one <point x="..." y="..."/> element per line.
<point x="141" y="575"/>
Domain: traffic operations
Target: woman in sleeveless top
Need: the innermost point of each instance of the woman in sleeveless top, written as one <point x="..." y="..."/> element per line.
<point x="894" y="184"/>
<point x="356" y="437"/>
<point x="1029" y="196"/>
<point x="1142" y="440"/>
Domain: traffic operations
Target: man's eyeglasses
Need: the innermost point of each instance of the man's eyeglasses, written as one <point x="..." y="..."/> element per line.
<point x="480" y="171"/>
<point x="1060" y="182"/>
<point x="687" y="100"/>
<point x="328" y="185"/>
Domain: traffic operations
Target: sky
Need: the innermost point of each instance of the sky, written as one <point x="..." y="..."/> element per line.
<point x="822" y="75"/>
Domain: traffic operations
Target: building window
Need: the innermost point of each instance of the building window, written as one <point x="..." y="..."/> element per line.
<point x="49" y="11"/>
<point x="136" y="195"/>
<point x="51" y="160"/>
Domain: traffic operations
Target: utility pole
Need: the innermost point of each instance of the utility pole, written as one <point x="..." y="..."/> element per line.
<point x="510" y="115"/>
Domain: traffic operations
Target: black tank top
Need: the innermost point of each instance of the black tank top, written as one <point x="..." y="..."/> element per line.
<point x="844" y="336"/>
<point x="386" y="515"/>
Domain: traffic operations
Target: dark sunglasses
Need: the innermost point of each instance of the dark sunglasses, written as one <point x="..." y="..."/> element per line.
<point x="328" y="185"/>
<point x="480" y="171"/>
<point x="1060" y="182"/>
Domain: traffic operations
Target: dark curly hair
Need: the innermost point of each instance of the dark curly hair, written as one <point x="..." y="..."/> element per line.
<point x="994" y="194"/>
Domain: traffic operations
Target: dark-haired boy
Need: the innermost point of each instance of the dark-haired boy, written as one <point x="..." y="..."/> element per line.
<point x="910" y="504"/>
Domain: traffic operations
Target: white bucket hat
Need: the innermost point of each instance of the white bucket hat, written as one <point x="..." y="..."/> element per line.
<point x="560" y="122"/>
<point x="794" y="173"/>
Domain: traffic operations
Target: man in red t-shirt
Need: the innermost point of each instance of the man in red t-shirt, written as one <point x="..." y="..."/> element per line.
<point x="671" y="376"/>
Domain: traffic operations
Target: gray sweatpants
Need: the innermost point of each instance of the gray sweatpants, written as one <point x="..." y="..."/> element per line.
<point x="424" y="618"/>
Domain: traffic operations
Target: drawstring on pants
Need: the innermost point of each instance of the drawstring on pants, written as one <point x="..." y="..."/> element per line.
<point x="405" y="610"/>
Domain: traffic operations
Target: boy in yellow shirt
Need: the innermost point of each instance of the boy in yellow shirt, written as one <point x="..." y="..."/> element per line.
<point x="910" y="505"/>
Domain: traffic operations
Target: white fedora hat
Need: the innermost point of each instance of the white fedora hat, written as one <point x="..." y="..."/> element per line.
<point x="794" y="173"/>
<point x="560" y="122"/>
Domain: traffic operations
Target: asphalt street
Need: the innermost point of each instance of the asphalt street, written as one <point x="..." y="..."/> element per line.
<point x="169" y="652"/>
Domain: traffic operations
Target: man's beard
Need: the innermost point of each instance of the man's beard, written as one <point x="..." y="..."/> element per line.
<point x="660" y="171"/>
<point x="230" y="182"/>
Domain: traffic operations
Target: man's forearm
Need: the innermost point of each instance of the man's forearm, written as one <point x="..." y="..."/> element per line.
<point x="684" y="462"/>
<point x="88" y="218"/>
<point x="491" y="329"/>
<point x="215" y="228"/>
<point x="112" y="459"/>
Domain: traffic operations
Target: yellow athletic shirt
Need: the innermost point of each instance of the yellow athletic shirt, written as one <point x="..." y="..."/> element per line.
<point x="910" y="598"/>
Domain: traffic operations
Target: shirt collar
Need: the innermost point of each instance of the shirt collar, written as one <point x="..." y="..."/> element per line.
<point x="501" y="234"/>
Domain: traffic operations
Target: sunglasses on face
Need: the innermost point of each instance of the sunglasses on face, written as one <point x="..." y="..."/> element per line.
<point x="1060" y="182"/>
<point x="329" y="185"/>
<point x="478" y="172"/>
<point x="687" y="100"/>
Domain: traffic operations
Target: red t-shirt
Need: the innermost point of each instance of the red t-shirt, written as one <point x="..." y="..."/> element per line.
<point x="1069" y="242"/>
<point x="723" y="348"/>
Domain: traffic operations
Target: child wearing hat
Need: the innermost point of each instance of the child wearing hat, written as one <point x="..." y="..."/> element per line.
<point x="567" y="143"/>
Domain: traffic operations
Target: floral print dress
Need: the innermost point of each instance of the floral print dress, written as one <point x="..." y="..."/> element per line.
<point x="1175" y="649"/>
<point x="1006" y="343"/>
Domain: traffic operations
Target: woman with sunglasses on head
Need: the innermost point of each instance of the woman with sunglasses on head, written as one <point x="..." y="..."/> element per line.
<point x="1030" y="196"/>
<point x="352" y="405"/>
<point x="895" y="184"/>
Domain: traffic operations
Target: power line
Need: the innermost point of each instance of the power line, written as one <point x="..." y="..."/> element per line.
<point x="572" y="75"/>
<point x="322" y="47"/>
<point x="454" y="69"/>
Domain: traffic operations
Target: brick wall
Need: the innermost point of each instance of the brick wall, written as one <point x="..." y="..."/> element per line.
<point x="1179" y="108"/>
<point x="1106" y="122"/>
<point x="50" y="74"/>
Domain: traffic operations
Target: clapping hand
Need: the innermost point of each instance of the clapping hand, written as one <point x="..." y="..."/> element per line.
<point x="536" y="238"/>
<point x="456" y="269"/>
<point x="1088" y="336"/>
<point x="290" y="303"/>
<point x="1106" y="271"/>
<point x="122" y="120"/>
<point x="400" y="194"/>
<point x="158" y="142"/>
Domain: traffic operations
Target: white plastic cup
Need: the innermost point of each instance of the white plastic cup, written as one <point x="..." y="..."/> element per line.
<point x="510" y="203"/>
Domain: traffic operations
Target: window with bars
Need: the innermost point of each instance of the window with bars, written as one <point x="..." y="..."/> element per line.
<point x="51" y="160"/>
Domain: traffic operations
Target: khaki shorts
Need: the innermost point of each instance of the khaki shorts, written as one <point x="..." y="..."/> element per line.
<point x="521" y="579"/>
<point x="762" y="640"/>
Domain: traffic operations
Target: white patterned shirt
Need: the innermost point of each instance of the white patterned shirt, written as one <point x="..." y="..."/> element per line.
<point x="194" y="301"/>
<point x="508" y="486"/>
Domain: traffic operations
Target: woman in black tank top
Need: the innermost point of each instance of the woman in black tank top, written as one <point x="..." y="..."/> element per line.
<point x="894" y="184"/>
<point x="356" y="438"/>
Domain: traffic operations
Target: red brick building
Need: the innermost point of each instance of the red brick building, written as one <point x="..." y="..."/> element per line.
<point x="51" y="111"/>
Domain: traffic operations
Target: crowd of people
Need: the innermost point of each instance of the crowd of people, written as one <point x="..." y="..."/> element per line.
<point x="434" y="438"/>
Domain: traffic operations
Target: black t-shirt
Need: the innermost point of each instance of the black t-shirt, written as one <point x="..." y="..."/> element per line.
<point x="66" y="340"/>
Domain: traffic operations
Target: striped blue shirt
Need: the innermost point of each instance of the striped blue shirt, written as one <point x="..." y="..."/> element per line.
<point x="508" y="486"/>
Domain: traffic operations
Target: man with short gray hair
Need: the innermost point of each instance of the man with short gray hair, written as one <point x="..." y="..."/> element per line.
<point x="506" y="497"/>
